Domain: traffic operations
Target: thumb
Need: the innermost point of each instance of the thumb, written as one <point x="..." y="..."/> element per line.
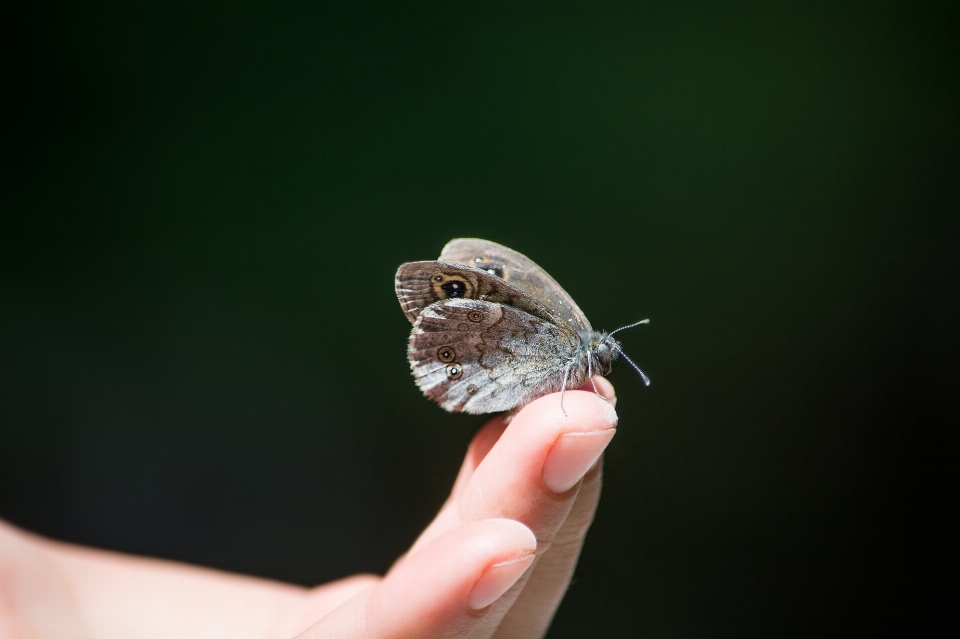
<point x="441" y="590"/>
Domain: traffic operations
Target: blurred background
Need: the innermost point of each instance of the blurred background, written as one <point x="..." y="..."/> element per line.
<point x="202" y="357"/>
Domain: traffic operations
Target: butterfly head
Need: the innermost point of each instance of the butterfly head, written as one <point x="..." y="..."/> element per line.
<point x="603" y="350"/>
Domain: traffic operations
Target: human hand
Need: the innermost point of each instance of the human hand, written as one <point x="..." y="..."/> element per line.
<point x="495" y="562"/>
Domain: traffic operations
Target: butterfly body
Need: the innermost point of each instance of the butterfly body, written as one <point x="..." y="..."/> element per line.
<point x="493" y="331"/>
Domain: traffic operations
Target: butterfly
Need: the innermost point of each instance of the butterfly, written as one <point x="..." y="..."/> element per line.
<point x="492" y="331"/>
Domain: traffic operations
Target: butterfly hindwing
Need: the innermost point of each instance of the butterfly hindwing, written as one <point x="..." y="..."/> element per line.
<point x="465" y="355"/>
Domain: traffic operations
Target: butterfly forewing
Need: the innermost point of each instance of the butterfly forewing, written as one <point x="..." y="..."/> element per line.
<point x="478" y="357"/>
<point x="520" y="271"/>
<point x="420" y="284"/>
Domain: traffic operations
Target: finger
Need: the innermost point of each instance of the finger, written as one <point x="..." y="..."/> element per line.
<point x="603" y="386"/>
<point x="482" y="444"/>
<point x="320" y="601"/>
<point x="487" y="436"/>
<point x="535" y="606"/>
<point x="533" y="610"/>
<point x="443" y="590"/>
<point x="532" y="472"/>
<point x="446" y="519"/>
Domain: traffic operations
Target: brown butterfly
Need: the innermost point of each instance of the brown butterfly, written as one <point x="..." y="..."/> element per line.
<point x="493" y="331"/>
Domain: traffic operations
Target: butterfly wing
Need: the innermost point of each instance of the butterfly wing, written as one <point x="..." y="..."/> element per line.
<point x="475" y="356"/>
<point x="520" y="271"/>
<point x="420" y="284"/>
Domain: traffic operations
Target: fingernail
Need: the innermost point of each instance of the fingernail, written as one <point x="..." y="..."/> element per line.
<point x="572" y="456"/>
<point x="496" y="580"/>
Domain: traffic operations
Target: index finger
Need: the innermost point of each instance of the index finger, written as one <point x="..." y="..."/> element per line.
<point x="512" y="471"/>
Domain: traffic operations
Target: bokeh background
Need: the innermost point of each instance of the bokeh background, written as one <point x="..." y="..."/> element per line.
<point x="202" y="358"/>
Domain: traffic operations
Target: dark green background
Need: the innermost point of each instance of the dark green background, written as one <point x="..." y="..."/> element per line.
<point x="202" y="357"/>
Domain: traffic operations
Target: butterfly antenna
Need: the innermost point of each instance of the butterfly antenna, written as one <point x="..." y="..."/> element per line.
<point x="646" y="380"/>
<point x="623" y="328"/>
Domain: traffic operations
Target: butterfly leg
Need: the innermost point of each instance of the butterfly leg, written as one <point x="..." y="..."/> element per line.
<point x="593" y="383"/>
<point x="566" y="377"/>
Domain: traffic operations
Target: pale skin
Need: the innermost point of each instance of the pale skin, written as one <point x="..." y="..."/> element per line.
<point x="495" y="562"/>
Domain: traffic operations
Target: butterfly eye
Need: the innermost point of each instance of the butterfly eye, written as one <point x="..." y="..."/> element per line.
<point x="472" y="389"/>
<point x="446" y="354"/>
<point x="454" y="371"/>
<point x="438" y="278"/>
<point x="475" y="316"/>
